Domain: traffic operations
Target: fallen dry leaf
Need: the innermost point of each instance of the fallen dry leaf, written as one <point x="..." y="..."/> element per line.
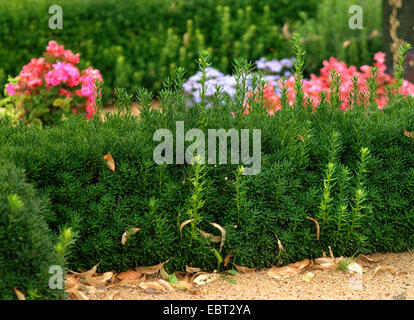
<point x="71" y="281"/>
<point x="209" y="236"/>
<point x="281" y="249"/>
<point x="192" y="269"/>
<point x="368" y="259"/>
<point x="155" y="285"/>
<point x="19" y="294"/>
<point x="129" y="275"/>
<point x="301" y="264"/>
<point x="110" y="162"/>
<point x="164" y="274"/>
<point x="99" y="281"/>
<point x="205" y="278"/>
<point x="329" y="266"/>
<point x="78" y="294"/>
<point x="223" y="234"/>
<point x="151" y="269"/>
<point x="182" y="285"/>
<point x="165" y="284"/>
<point x="227" y="260"/>
<point x="127" y="234"/>
<point x="242" y="269"/>
<point x="283" y="272"/>
<point x="182" y="225"/>
<point x="392" y="269"/>
<point x="323" y="260"/>
<point x="317" y="226"/>
<point x="88" y="273"/>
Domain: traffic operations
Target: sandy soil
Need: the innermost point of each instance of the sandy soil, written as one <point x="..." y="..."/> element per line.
<point x="334" y="284"/>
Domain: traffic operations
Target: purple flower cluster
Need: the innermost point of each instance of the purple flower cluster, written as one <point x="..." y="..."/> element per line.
<point x="214" y="78"/>
<point x="273" y="70"/>
<point x="275" y="66"/>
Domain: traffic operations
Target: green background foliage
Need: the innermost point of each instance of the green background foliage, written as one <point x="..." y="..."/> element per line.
<point x="328" y="34"/>
<point x="139" y="43"/>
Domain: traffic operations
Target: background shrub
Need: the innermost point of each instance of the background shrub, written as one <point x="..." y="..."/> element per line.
<point x="370" y="206"/>
<point x="138" y="43"/>
<point x="328" y="34"/>
<point x="26" y="243"/>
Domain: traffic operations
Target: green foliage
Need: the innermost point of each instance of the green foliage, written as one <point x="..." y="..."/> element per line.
<point x="328" y="34"/>
<point x="138" y="43"/>
<point x="28" y="248"/>
<point x="352" y="171"/>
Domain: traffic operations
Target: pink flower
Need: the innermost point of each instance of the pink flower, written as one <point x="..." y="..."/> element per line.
<point x="55" y="49"/>
<point x="318" y="84"/>
<point x="63" y="73"/>
<point x="57" y="69"/>
<point x="11" y="89"/>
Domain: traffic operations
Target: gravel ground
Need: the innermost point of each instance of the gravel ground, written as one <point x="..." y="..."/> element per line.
<point x="326" y="285"/>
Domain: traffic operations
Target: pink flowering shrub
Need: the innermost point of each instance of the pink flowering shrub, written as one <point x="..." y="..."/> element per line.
<point x="317" y="84"/>
<point x="49" y="87"/>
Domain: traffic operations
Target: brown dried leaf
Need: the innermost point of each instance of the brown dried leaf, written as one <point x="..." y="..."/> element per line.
<point x="227" y="260"/>
<point x="283" y="272"/>
<point x="192" y="269"/>
<point x="151" y="269"/>
<point x="79" y="294"/>
<point x="182" y="285"/>
<point x="330" y="266"/>
<point x="71" y="281"/>
<point x="204" y="278"/>
<point x="110" y="162"/>
<point x="129" y="275"/>
<point x="242" y="269"/>
<point x="323" y="260"/>
<point x="155" y="285"/>
<point x="19" y="294"/>
<point x="209" y="236"/>
<point x="330" y="253"/>
<point x="165" y="284"/>
<point x="317" y="226"/>
<point x="164" y="274"/>
<point x="300" y="265"/>
<point x="368" y="258"/>
<point x="182" y="225"/>
<point x="128" y="233"/>
<point x="223" y="234"/>
<point x="88" y="273"/>
<point x="99" y="281"/>
<point x="392" y="269"/>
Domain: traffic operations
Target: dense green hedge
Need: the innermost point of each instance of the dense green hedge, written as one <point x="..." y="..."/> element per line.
<point x="137" y="43"/>
<point x="66" y="163"/>
<point x="26" y="243"/>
